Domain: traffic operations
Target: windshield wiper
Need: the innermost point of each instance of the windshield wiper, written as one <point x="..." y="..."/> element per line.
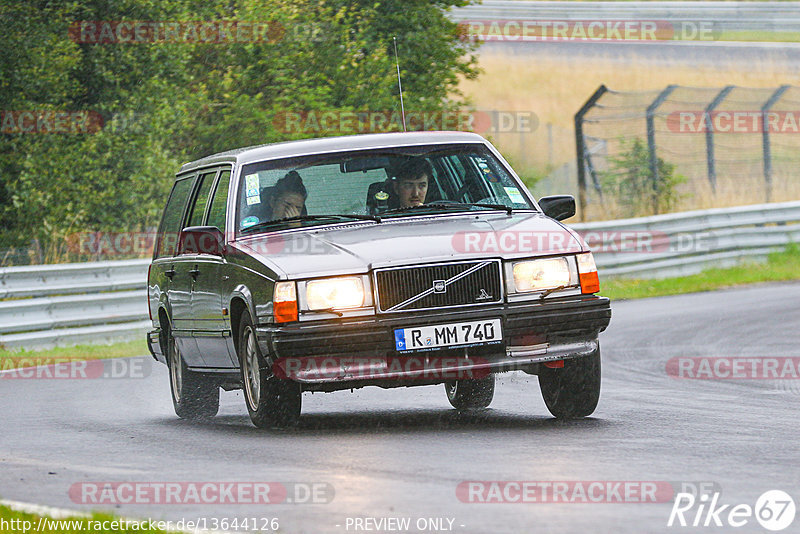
<point x="279" y="222"/>
<point x="507" y="209"/>
<point x="450" y="205"/>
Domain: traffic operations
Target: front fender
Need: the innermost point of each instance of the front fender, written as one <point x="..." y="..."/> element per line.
<point x="243" y="292"/>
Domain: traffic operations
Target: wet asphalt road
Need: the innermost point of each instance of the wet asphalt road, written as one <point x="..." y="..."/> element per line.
<point x="403" y="452"/>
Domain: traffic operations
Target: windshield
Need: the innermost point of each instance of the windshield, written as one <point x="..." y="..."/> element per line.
<point x="398" y="182"/>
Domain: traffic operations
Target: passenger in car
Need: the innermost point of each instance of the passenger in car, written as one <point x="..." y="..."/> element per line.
<point x="411" y="183"/>
<point x="287" y="198"/>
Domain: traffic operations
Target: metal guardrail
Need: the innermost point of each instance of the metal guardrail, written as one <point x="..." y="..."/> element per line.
<point x="70" y="278"/>
<point x="763" y="16"/>
<point x="677" y="244"/>
<point x="67" y="304"/>
<point x="104" y="301"/>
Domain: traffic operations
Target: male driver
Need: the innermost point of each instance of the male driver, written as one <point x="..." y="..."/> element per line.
<point x="411" y="183"/>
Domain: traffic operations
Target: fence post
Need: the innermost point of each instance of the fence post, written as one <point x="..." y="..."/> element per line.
<point x="580" y="147"/>
<point x="593" y="174"/>
<point x="767" y="149"/>
<point x="651" y="140"/>
<point x="712" y="171"/>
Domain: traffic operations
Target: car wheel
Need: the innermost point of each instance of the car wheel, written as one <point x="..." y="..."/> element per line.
<point x="194" y="396"/>
<point x="271" y="402"/>
<point x="470" y="393"/>
<point x="572" y="391"/>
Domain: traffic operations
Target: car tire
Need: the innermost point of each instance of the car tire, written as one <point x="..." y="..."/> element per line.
<point x="194" y="396"/>
<point x="572" y="391"/>
<point x="469" y="394"/>
<point x="272" y="402"/>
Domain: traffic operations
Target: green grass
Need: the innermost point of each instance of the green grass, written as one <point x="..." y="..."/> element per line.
<point x="12" y="521"/>
<point x="78" y="352"/>
<point x="758" y="36"/>
<point x="780" y="266"/>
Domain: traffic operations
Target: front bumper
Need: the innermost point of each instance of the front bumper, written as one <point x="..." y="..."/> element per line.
<point x="532" y="333"/>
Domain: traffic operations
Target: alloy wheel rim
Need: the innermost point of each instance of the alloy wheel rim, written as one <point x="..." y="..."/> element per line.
<point x="176" y="373"/>
<point x="252" y="371"/>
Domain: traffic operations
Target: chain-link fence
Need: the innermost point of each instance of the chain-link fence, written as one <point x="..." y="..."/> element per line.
<point x="683" y="148"/>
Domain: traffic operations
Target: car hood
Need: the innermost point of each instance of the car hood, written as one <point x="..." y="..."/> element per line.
<point x="360" y="246"/>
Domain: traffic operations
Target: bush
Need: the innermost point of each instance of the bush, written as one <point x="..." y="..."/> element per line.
<point x="630" y="180"/>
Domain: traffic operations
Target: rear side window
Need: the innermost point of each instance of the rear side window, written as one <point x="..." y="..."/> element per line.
<point x="173" y="216"/>
<point x="201" y="199"/>
<point x="216" y="215"/>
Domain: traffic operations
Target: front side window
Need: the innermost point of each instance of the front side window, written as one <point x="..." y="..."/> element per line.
<point x="396" y="182"/>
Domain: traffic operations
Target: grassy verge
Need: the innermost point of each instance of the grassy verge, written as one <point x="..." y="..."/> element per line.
<point x="759" y="36"/>
<point x="12" y="521"/>
<point x="79" y="352"/>
<point x="780" y="266"/>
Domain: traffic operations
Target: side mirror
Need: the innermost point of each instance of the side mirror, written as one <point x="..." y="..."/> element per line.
<point x="201" y="240"/>
<point x="558" y="207"/>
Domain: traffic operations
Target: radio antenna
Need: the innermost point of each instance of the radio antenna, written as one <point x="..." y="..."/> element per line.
<point x="399" y="84"/>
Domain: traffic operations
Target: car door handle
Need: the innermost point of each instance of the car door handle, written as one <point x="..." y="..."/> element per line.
<point x="169" y="273"/>
<point x="194" y="273"/>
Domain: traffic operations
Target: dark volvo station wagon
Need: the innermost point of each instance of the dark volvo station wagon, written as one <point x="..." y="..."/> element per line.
<point x="389" y="260"/>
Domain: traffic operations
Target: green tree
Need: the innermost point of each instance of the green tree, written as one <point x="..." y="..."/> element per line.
<point x="167" y="103"/>
<point x="332" y="56"/>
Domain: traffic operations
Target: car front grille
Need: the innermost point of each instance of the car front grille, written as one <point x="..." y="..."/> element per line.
<point x="441" y="285"/>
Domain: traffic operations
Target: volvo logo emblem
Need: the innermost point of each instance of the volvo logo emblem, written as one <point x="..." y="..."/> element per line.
<point x="484" y="295"/>
<point x="439" y="286"/>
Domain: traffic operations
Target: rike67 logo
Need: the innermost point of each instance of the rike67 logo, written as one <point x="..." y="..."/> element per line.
<point x="774" y="510"/>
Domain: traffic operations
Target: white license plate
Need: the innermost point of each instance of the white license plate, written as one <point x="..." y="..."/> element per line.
<point x="448" y="335"/>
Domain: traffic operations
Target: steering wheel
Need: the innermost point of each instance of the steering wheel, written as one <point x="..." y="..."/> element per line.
<point x="461" y="194"/>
